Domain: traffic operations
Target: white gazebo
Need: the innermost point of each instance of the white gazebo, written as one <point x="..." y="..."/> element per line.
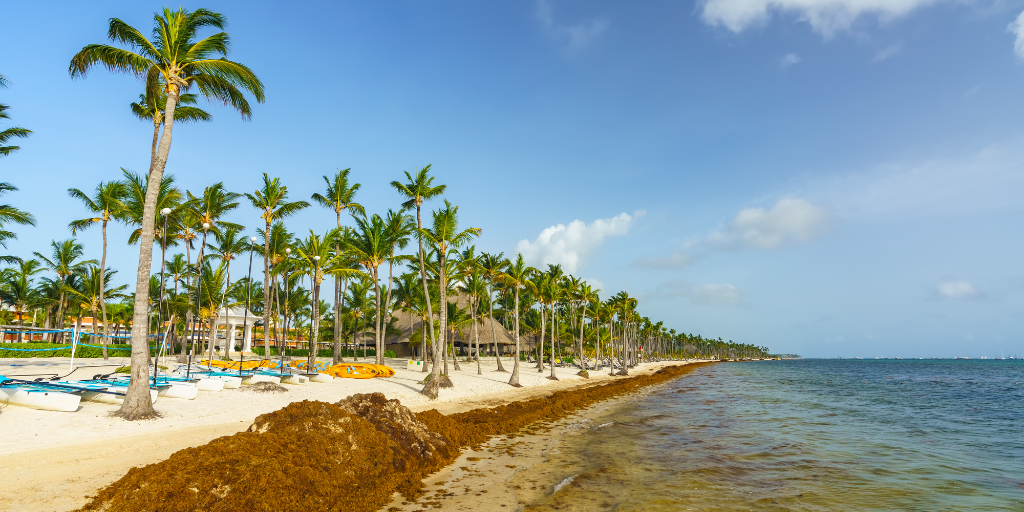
<point x="232" y="317"/>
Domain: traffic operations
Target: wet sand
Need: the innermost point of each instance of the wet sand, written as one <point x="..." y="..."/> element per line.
<point x="52" y="461"/>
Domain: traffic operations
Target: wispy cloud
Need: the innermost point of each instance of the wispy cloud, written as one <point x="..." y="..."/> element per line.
<point x="826" y="17"/>
<point x="788" y="221"/>
<point x="704" y="294"/>
<point x="789" y="60"/>
<point x="1016" y="28"/>
<point x="957" y="290"/>
<point x="887" y="53"/>
<point x="575" y="35"/>
<point x="570" y="245"/>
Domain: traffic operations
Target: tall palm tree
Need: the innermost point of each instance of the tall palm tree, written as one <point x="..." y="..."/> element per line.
<point x="10" y="133"/>
<point x="175" y="61"/>
<point x="228" y="244"/>
<point x="372" y="244"/>
<point x="91" y="292"/>
<point x="517" y="276"/>
<point x="492" y="266"/>
<point x="150" y="107"/>
<point x="272" y="202"/>
<point x="339" y="196"/>
<point x="11" y="214"/>
<point x="417" y="190"/>
<point x="443" y="235"/>
<point x="475" y="286"/>
<point x="315" y="260"/>
<point x="108" y="204"/>
<point x="168" y="196"/>
<point x="64" y="261"/>
<point x="17" y="289"/>
<point x="399" y="227"/>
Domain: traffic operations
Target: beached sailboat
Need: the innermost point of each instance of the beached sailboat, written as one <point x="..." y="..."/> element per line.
<point x="37" y="396"/>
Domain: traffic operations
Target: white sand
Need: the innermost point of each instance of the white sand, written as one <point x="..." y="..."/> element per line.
<point x="49" y="460"/>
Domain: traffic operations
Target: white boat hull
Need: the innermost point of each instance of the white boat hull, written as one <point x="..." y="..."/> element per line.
<point x="42" y="400"/>
<point x="298" y="380"/>
<point x="211" y="384"/>
<point x="320" y="377"/>
<point x="253" y="379"/>
<point x="186" y="391"/>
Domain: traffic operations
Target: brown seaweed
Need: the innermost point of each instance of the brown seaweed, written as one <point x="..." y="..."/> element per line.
<point x="350" y="456"/>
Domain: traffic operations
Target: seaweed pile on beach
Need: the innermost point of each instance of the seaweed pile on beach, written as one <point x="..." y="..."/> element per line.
<point x="352" y="455"/>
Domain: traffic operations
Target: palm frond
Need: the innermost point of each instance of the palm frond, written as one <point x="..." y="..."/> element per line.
<point x="113" y="58"/>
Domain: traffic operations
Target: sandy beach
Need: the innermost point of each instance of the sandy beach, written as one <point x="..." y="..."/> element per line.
<point x="50" y="461"/>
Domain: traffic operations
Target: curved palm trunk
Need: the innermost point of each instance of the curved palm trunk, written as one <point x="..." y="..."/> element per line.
<point x="426" y="297"/>
<point x="137" y="403"/>
<point x="543" y="329"/>
<point x="266" y="292"/>
<point x="103" y="273"/>
<point x="156" y="137"/>
<point x="554" y="342"/>
<point x="514" y="380"/>
<point x="494" y="335"/>
<point x="433" y="385"/>
<point x="476" y="336"/>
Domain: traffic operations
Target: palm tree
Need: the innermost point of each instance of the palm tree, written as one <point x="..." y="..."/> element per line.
<point x="314" y="260"/>
<point x="90" y="292"/>
<point x="444" y="235"/>
<point x="177" y="62"/>
<point x="16" y="289"/>
<point x="492" y="266"/>
<point x="8" y="214"/>
<point x="63" y="261"/>
<point x="108" y="204"/>
<point x="417" y="190"/>
<point x="475" y="286"/>
<point x="10" y="133"/>
<point x="272" y="202"/>
<point x="168" y="196"/>
<point x="371" y="244"/>
<point x="517" y="276"/>
<point x="339" y="196"/>
<point x="150" y="107"/>
<point x="399" y="226"/>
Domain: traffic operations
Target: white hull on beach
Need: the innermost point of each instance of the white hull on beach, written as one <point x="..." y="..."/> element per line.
<point x="42" y="400"/>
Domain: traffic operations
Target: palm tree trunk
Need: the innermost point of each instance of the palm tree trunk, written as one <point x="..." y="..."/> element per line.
<point x="442" y="310"/>
<point x="543" y="327"/>
<point x="494" y="335"/>
<point x="583" y="318"/>
<point x="387" y="304"/>
<point x="378" y="340"/>
<point x="314" y="335"/>
<point x="103" y="273"/>
<point x="554" y="342"/>
<point x="156" y="136"/>
<point x="476" y="336"/>
<point x="137" y="402"/>
<point x="266" y="291"/>
<point x="514" y="380"/>
<point x="426" y="293"/>
<point x="338" y="358"/>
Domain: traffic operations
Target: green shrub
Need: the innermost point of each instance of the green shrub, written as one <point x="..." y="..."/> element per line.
<point x="324" y="352"/>
<point x="389" y="353"/>
<point x="80" y="351"/>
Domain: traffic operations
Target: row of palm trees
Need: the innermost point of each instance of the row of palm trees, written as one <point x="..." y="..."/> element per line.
<point x="177" y="67"/>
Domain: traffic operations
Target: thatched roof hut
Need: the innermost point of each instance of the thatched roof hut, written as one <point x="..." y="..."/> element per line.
<point x="409" y="323"/>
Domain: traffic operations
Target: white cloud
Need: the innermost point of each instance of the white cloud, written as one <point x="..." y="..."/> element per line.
<point x="578" y="35"/>
<point x="1016" y="27"/>
<point x="789" y="220"/>
<point x="887" y="53"/>
<point x="707" y="294"/>
<point x="825" y="16"/>
<point x="676" y="260"/>
<point x="569" y="245"/>
<point x="957" y="290"/>
<point x="789" y="60"/>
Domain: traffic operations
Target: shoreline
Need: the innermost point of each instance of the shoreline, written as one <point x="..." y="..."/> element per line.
<point x="58" y="477"/>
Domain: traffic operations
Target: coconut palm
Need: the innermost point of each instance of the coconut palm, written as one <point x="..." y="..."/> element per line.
<point x="339" y="196"/>
<point x="17" y="289"/>
<point x="64" y="261"/>
<point x="89" y="293"/>
<point x="316" y="260"/>
<point x="475" y="286"/>
<point x="399" y="227"/>
<point x="10" y="133"/>
<point x="175" y="61"/>
<point x="10" y="214"/>
<point x="517" y="277"/>
<point x="272" y="202"/>
<point x="108" y="204"/>
<point x="150" y="107"/>
<point x="371" y="244"/>
<point x="417" y="190"/>
<point x="492" y="266"/>
<point x="444" y="235"/>
<point x="168" y="196"/>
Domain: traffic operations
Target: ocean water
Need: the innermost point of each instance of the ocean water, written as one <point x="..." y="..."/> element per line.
<point x="809" y="435"/>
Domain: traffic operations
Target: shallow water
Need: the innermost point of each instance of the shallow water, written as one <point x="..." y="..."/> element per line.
<point x="799" y="435"/>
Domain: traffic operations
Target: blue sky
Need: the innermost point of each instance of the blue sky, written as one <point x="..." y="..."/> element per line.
<point x="825" y="177"/>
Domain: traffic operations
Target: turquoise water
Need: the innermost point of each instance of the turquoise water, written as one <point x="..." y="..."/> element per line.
<point x="916" y="435"/>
